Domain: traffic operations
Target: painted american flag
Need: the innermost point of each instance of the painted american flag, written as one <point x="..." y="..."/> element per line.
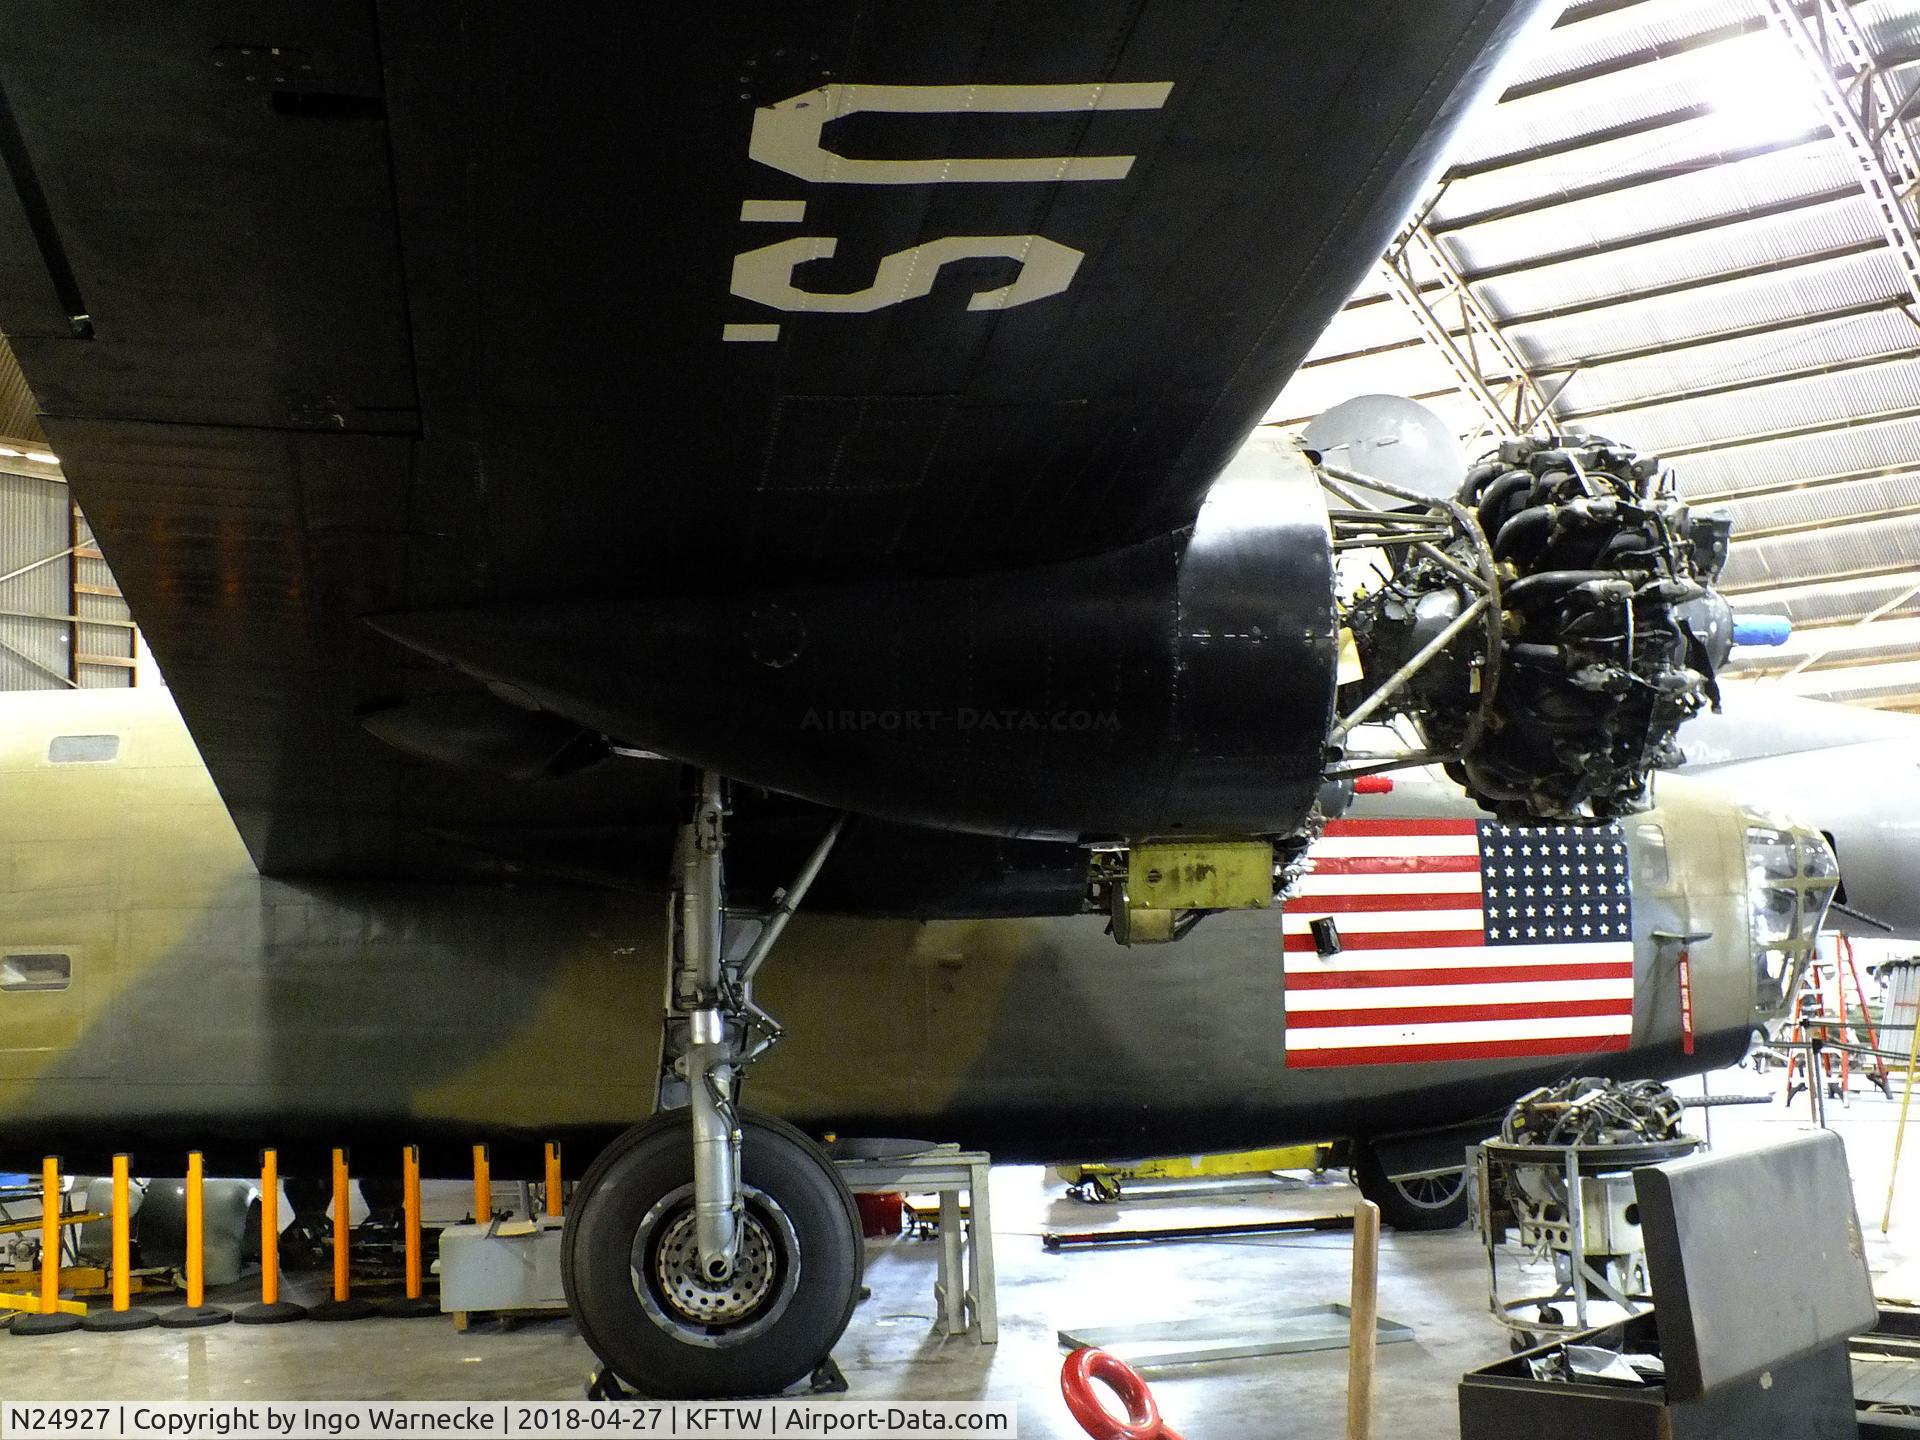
<point x="1460" y="940"/>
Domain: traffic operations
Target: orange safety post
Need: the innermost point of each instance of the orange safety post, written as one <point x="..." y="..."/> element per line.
<point x="342" y="1306"/>
<point x="269" y="1226"/>
<point x="271" y="1310"/>
<point x="196" y="1230"/>
<point x="122" y="1240"/>
<point x="196" y="1312"/>
<point x="50" y="1319"/>
<point x="410" y="1203"/>
<point x="342" y="1225"/>
<point x="555" y="1185"/>
<point x="122" y="1316"/>
<point x="50" y="1235"/>
<point x="415" y="1303"/>
<point x="482" y="1185"/>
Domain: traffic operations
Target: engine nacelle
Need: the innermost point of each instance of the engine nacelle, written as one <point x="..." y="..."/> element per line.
<point x="1547" y="631"/>
<point x="1182" y="685"/>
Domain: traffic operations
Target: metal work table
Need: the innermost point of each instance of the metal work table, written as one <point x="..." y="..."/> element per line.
<point x="946" y="1172"/>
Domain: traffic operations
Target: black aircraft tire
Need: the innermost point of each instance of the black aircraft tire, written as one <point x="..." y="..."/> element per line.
<point x="624" y="1260"/>
<point x="1414" y="1204"/>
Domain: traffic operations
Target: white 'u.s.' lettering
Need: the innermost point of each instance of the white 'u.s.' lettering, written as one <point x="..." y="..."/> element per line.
<point x="790" y="136"/>
<point x="766" y="275"/>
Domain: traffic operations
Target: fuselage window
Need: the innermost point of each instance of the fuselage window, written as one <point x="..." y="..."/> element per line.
<point x="83" y="749"/>
<point x="35" y="972"/>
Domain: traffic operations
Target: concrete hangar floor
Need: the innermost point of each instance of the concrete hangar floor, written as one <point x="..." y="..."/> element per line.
<point x="1434" y="1282"/>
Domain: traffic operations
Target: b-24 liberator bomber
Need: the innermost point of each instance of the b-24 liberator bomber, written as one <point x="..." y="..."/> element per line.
<point x="796" y="458"/>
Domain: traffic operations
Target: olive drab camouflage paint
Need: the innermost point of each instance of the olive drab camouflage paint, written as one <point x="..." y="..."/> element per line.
<point x="201" y="1005"/>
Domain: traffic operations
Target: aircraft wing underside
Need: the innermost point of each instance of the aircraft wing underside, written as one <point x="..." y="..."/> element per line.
<point x="343" y="309"/>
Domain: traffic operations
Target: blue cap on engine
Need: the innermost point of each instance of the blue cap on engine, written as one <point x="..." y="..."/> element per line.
<point x="1761" y="629"/>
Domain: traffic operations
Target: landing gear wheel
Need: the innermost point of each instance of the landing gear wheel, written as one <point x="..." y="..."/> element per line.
<point x="1439" y="1203"/>
<point x="629" y="1261"/>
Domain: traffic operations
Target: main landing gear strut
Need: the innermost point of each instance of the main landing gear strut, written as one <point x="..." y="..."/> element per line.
<point x="712" y="1250"/>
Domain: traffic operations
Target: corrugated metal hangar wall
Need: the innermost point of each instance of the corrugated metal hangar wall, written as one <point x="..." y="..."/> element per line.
<point x="63" y="623"/>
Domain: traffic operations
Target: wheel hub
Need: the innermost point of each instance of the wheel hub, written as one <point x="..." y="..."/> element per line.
<point x="1431" y="1192"/>
<point x="676" y="1266"/>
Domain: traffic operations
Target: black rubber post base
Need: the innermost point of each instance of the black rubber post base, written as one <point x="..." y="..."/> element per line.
<point x="109" y="1322"/>
<point x="413" y="1309"/>
<point x="278" y="1313"/>
<point x="348" y="1309"/>
<point x="194" y="1317"/>
<point x="61" y="1324"/>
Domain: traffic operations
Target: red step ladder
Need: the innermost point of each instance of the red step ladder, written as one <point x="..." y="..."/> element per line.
<point x="1826" y="985"/>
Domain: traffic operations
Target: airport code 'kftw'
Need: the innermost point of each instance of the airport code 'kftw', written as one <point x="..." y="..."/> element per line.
<point x="507" y="1420"/>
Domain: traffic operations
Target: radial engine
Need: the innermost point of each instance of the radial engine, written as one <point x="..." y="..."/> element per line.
<point x="1543" y="631"/>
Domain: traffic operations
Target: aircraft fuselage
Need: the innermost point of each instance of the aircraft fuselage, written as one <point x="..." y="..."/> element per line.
<point x="209" y="1007"/>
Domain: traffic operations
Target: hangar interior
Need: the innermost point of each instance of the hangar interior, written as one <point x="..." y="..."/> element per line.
<point x="1688" y="226"/>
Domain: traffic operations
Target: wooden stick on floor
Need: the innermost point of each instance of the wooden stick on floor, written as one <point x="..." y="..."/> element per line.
<point x="1906" y="1099"/>
<point x="1365" y="1306"/>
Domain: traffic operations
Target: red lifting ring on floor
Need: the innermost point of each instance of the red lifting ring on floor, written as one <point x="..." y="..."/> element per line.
<point x="1143" y="1420"/>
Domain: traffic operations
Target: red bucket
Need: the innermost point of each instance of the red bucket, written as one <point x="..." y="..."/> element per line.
<point x="881" y="1215"/>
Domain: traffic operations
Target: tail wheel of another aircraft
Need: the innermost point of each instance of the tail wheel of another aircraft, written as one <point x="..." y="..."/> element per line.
<point x="1437" y="1202"/>
<point x="630" y="1263"/>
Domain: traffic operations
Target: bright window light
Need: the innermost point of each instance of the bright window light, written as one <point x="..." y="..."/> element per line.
<point x="43" y="457"/>
<point x="1760" y="91"/>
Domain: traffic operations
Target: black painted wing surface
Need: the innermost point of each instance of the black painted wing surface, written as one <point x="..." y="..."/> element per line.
<point x="344" y="308"/>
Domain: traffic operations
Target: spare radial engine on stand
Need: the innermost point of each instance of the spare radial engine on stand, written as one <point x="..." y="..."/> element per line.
<point x="1561" y="1176"/>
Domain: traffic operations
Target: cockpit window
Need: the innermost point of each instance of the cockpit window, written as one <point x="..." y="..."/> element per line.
<point x="1791" y="874"/>
<point x="1818" y="859"/>
<point x="1769" y="855"/>
<point x="1773" y="915"/>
